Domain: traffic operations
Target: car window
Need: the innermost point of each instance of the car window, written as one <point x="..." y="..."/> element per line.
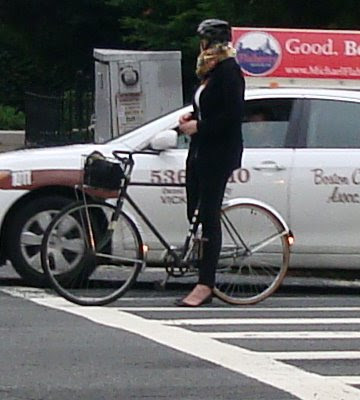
<point x="333" y="124"/>
<point x="266" y="122"/>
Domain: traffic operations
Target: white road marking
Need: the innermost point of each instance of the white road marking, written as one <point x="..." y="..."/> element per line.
<point x="349" y="379"/>
<point x="259" y="321"/>
<point x="284" y="335"/>
<point x="314" y="355"/>
<point x="40" y="292"/>
<point x="25" y="292"/>
<point x="29" y="292"/>
<point x="236" y="308"/>
<point x="259" y="366"/>
<point x="36" y="292"/>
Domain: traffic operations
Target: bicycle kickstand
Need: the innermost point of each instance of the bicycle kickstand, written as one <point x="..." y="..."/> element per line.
<point x="161" y="284"/>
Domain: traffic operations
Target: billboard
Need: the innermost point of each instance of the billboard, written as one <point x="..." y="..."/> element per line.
<point x="290" y="53"/>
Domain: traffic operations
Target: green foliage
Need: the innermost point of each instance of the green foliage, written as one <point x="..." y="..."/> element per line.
<point x="51" y="41"/>
<point x="11" y="119"/>
<point x="43" y="43"/>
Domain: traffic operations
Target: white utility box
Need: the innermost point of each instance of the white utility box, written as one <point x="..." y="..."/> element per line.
<point x="133" y="87"/>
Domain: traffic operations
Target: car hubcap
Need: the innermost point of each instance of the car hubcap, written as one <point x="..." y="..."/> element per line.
<point x="62" y="245"/>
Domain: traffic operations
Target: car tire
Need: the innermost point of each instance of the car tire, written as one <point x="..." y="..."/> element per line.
<point x="25" y="232"/>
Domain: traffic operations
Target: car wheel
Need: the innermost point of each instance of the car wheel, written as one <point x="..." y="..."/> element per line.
<point x="26" y="229"/>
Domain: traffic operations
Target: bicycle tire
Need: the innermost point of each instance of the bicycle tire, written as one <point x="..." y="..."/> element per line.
<point x="255" y="253"/>
<point x="101" y="272"/>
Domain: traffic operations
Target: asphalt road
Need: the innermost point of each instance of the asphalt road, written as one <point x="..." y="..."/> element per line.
<point x="291" y="346"/>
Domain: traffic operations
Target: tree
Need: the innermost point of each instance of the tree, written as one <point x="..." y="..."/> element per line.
<point x="171" y="25"/>
<point x="44" y="43"/>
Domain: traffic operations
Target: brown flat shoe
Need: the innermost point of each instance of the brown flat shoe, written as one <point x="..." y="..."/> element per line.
<point x="206" y="300"/>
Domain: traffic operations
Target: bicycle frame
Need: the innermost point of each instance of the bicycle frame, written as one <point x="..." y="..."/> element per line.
<point x="179" y="261"/>
<point x="183" y="259"/>
<point x="186" y="250"/>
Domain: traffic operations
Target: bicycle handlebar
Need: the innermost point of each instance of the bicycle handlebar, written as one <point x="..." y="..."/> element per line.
<point x="131" y="153"/>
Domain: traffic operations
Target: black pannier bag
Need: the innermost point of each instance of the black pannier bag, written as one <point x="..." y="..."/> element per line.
<point x="102" y="173"/>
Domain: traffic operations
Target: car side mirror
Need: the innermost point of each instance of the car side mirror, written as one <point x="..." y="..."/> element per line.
<point x="164" y="140"/>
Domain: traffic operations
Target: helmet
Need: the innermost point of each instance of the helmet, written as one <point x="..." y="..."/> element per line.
<point x="214" y="31"/>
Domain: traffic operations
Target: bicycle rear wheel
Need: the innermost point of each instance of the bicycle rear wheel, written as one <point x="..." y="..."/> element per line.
<point x="255" y="254"/>
<point x="100" y="264"/>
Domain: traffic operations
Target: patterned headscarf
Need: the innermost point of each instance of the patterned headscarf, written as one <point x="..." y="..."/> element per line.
<point x="217" y="52"/>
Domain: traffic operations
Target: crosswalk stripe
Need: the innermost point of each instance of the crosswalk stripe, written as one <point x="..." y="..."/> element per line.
<point x="238" y="309"/>
<point x="314" y="355"/>
<point x="256" y="365"/>
<point x="259" y="321"/>
<point x="267" y="367"/>
<point x="349" y="379"/>
<point x="284" y="335"/>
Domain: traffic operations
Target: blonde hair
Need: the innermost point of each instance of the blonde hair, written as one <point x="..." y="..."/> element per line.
<point x="208" y="58"/>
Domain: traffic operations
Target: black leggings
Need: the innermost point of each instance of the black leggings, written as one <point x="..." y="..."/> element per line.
<point x="208" y="186"/>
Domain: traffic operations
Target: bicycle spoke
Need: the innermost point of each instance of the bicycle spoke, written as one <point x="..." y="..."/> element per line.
<point x="119" y="258"/>
<point x="265" y="242"/>
<point x="82" y="273"/>
<point x="233" y="232"/>
<point x="254" y="255"/>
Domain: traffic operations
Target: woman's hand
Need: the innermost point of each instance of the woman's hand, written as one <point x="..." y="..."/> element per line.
<point x="189" y="127"/>
<point x="185" y="118"/>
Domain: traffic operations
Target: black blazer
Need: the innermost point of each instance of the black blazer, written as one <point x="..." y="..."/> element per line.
<point x="218" y="141"/>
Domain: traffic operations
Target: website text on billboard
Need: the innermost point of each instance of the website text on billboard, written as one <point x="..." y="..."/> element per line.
<point x="289" y="53"/>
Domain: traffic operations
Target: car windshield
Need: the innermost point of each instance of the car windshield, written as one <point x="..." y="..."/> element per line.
<point x="157" y="124"/>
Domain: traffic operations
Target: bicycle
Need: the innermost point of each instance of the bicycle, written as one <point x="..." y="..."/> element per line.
<point x="92" y="251"/>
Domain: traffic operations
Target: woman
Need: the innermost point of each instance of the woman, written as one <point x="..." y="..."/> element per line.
<point x="216" y="144"/>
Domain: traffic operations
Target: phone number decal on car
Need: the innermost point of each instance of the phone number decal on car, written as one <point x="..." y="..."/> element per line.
<point x="177" y="177"/>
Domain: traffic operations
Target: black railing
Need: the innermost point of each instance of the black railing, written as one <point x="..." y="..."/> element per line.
<point x="63" y="118"/>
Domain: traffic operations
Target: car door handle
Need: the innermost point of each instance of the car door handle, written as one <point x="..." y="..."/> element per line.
<point x="269" y="166"/>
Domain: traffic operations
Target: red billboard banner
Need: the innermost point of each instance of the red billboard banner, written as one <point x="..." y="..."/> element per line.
<point x="290" y="53"/>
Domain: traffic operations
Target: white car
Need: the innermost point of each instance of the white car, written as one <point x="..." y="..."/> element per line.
<point x="302" y="157"/>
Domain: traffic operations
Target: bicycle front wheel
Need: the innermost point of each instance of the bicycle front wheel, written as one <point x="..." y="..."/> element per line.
<point x="89" y="260"/>
<point x="255" y="254"/>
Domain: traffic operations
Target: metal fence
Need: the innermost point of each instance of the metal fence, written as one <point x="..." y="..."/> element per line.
<point x="63" y="118"/>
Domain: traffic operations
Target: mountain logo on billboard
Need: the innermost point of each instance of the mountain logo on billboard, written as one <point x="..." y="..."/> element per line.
<point x="258" y="53"/>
